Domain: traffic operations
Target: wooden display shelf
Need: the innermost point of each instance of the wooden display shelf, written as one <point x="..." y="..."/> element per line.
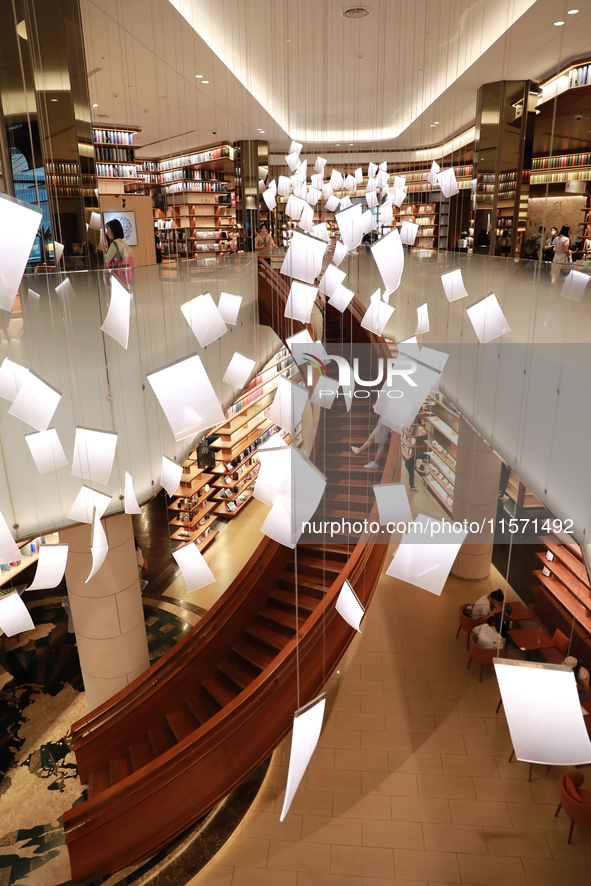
<point x="445" y="457"/>
<point x="437" y="480"/>
<point x="569" y="579"/>
<point x="204" y="544"/>
<point x="197" y="483"/>
<point x="223" y="511"/>
<point x="569" y="560"/>
<point x="440" y="499"/>
<point x="444" y="429"/>
<point x="227" y="453"/>
<point x="195" y="519"/>
<point x="219" y="484"/>
<point x="579" y="607"/>
<point x="234" y="495"/>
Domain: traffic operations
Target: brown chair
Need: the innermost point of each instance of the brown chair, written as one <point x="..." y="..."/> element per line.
<point x="578" y="811"/>
<point x="467" y="623"/>
<point x="484" y="656"/>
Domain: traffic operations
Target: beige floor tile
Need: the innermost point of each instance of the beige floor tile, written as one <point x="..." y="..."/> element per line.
<point x="428" y="764"/>
<point x="463" y="764"/>
<point x="461" y="691"/>
<point x="362" y="806"/>
<point x="397" y="784"/>
<point x="372" y="881"/>
<point x="514" y="769"/>
<point x="340" y="738"/>
<point x="343" y="702"/>
<point x="541" y="815"/>
<point x="408" y="690"/>
<point x="364" y="861"/>
<point x="438" y="744"/>
<point x="305" y="879"/>
<point x="503" y="789"/>
<point x="362" y="687"/>
<point x="483" y="812"/>
<point x="473" y="707"/>
<point x="385" y="704"/>
<point x="401" y="742"/>
<point x="485" y="871"/>
<point x="361" y="722"/>
<point x="492" y="745"/>
<point x="286" y="856"/>
<point x="546" y="872"/>
<point x="307" y="802"/>
<point x="436" y="707"/>
<point x="446" y="787"/>
<point x="337" y="780"/>
<point x="454" y="837"/>
<point x="461" y="726"/>
<point x="248" y="852"/>
<point x="393" y="834"/>
<point x="420" y="809"/>
<point x="213" y="875"/>
<point x="579" y="848"/>
<point x="411" y="723"/>
<point x="438" y="867"/>
<point x="258" y="877"/>
<point x="497" y="725"/>
<point x="369" y="761"/>
<point x="545" y="787"/>
<point x="521" y="842"/>
<point x="267" y="826"/>
<point x="326" y="829"/>
<point x="406" y="673"/>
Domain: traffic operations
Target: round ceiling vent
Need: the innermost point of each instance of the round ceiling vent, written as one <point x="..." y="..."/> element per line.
<point x="356" y="12"/>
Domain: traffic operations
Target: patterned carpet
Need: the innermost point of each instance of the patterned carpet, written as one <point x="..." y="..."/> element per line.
<point x="41" y="695"/>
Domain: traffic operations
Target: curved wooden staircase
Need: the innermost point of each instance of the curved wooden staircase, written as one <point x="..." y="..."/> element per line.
<point x="162" y="752"/>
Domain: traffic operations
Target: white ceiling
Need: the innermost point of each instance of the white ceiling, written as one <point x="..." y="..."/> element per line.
<point x="298" y="69"/>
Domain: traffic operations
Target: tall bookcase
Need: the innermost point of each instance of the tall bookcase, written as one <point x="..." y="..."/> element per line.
<point x="114" y="153"/>
<point x="199" y="220"/>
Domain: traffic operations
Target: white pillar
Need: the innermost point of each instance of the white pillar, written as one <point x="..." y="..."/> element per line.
<point x="476" y="496"/>
<point x="107" y="612"/>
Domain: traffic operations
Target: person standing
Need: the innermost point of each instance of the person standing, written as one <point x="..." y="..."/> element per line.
<point x="378" y="436"/>
<point x="264" y="243"/>
<point x="118" y="254"/>
<point x="505" y="244"/>
<point x="561" y="248"/>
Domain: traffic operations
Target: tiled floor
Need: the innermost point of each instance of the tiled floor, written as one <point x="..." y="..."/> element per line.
<point x="410" y="783"/>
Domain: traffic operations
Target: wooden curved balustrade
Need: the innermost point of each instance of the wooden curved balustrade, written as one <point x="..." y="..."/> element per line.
<point x="162" y="752"/>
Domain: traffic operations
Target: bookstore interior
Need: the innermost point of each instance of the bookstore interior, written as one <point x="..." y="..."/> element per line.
<point x="294" y="544"/>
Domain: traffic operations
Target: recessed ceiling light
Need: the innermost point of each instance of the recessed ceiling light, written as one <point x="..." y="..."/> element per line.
<point x="262" y="131"/>
<point x="95" y="105"/>
<point x="436" y="123"/>
<point x="205" y="81"/>
<point x="199" y="76"/>
<point x="356" y="12"/>
<point x="432" y="125"/>
<point x="350" y="144"/>
<point x="338" y="145"/>
<point x="558" y="24"/>
<point x="572" y="11"/>
<point x="54" y="99"/>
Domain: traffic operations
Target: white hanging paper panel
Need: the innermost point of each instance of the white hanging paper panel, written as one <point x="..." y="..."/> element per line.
<point x="453" y="285"/>
<point x="51" y="566"/>
<point x="195" y="570"/>
<point x="94" y="453"/>
<point x="300" y="302"/>
<point x="488" y="319"/>
<point x="170" y="475"/>
<point x="389" y="257"/>
<point x="47" y="451"/>
<point x="349" y="607"/>
<point x="117" y="320"/>
<point x="304" y="257"/>
<point x="99" y="546"/>
<point x="288" y="405"/>
<point x="14" y="615"/>
<point x="426" y="565"/>
<point x="239" y="370"/>
<point x="393" y="504"/>
<point x="205" y="320"/>
<point x="86" y="502"/>
<point x="331" y="279"/>
<point x="35" y="402"/>
<point x="307" y="726"/>
<point x="187" y="397"/>
<point x="229" y="306"/>
<point x="130" y="500"/>
<point x="543" y="711"/>
<point x="19" y="223"/>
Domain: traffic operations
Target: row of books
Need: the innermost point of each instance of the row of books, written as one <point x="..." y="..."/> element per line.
<point x="563" y="162"/>
<point x="112" y="137"/>
<point x="63" y="180"/>
<point x="63" y="168"/>
<point x="579" y="76"/>
<point x="108" y="170"/>
<point x="191" y="187"/>
<point x="542" y="178"/>
<point x="115" y="155"/>
<point x="221" y="153"/>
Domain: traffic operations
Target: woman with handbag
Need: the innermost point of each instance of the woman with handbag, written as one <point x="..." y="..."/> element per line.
<point x="118" y="254"/>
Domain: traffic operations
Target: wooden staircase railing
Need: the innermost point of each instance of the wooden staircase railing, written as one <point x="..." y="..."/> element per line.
<point x="162" y="752"/>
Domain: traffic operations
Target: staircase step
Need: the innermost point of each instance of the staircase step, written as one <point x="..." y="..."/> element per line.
<point x="202" y="707"/>
<point x="307" y="584"/>
<point x="221" y="689"/>
<point x="140" y="755"/>
<point x="182" y="722"/>
<point x="284" y="621"/>
<point x="257" y="656"/>
<point x="119" y="769"/>
<point x="307" y="562"/>
<point x="287" y="598"/>
<point x="238" y="671"/>
<point x="344" y="498"/>
<point x="335" y="552"/>
<point x="98" y="782"/>
<point x="161" y="739"/>
<point x="265" y="634"/>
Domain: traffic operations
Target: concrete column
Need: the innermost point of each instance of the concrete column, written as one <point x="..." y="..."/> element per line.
<point x="476" y="495"/>
<point x="107" y="612"/>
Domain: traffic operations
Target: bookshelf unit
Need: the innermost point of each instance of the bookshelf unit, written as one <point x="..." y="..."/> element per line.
<point x="114" y="153"/>
<point x="562" y="573"/>
<point x="443" y="426"/>
<point x="200" y="218"/>
<point x="191" y="506"/>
